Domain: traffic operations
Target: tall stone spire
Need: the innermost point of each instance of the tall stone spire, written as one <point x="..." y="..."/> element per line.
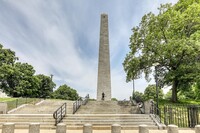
<point x="104" y="81"/>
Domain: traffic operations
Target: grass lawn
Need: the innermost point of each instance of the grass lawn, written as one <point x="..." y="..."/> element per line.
<point x="7" y="99"/>
<point x="16" y="102"/>
<point x="163" y="102"/>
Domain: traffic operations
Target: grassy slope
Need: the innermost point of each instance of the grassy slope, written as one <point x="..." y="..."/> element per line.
<point x="7" y="99"/>
<point x="180" y="102"/>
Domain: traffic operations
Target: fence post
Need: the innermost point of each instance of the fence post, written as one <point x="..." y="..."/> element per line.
<point x="65" y="108"/>
<point x="87" y="128"/>
<point x="34" y="128"/>
<point x="61" y="112"/>
<point x="16" y="103"/>
<point x="116" y="128"/>
<point x="192" y="116"/>
<point x="8" y="128"/>
<point x="172" y="129"/>
<point x="61" y="128"/>
<point x="143" y="129"/>
<point x="197" y="129"/>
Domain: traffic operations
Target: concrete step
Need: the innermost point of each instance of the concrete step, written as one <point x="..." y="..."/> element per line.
<point x="101" y="114"/>
<point x="104" y="107"/>
<point x="99" y="121"/>
<point x="106" y="120"/>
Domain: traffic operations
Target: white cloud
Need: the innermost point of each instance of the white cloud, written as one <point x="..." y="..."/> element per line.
<point x="61" y="38"/>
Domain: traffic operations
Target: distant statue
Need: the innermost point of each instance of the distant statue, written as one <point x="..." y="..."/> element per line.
<point x="103" y="96"/>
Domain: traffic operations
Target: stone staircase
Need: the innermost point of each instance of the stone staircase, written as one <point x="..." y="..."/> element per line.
<point x="22" y="121"/>
<point x="40" y="113"/>
<point x="101" y="114"/>
<point x="104" y="107"/>
<point x="104" y="121"/>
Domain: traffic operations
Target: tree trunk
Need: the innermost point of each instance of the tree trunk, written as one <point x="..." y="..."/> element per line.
<point x="174" y="91"/>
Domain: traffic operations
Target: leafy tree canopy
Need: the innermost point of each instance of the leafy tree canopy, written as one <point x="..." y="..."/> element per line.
<point x="46" y="86"/>
<point x="150" y="93"/>
<point x="66" y="92"/>
<point x="138" y="96"/>
<point x="7" y="56"/>
<point x="171" y="40"/>
<point x="18" y="80"/>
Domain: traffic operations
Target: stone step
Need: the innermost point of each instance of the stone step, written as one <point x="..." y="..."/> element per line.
<point x="105" y="107"/>
<point x="99" y="121"/>
<point x="128" y="119"/>
<point x="108" y="115"/>
<point x="80" y="127"/>
<point x="106" y="123"/>
<point x="25" y="115"/>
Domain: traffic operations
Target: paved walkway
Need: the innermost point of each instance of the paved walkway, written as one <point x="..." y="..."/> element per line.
<point x="105" y="131"/>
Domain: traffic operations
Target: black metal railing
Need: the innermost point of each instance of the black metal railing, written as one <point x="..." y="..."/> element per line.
<point x="60" y="113"/>
<point x="85" y="99"/>
<point x="181" y="115"/>
<point x="79" y="102"/>
<point x="76" y="105"/>
<point x="155" y="111"/>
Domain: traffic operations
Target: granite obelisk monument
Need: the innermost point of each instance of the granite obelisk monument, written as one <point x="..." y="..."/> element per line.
<point x="104" y="79"/>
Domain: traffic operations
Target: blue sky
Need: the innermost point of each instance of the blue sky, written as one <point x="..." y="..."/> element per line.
<point x="61" y="37"/>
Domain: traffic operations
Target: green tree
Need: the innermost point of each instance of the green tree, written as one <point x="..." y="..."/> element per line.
<point x="191" y="92"/>
<point x="168" y="95"/>
<point x="7" y="56"/>
<point x="197" y="90"/>
<point x="7" y="60"/>
<point x="150" y="93"/>
<point x="138" y="96"/>
<point x="46" y="86"/>
<point x="19" y="80"/>
<point x="171" y="40"/>
<point x="66" y="92"/>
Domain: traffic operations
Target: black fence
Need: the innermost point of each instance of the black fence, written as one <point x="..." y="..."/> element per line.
<point x="181" y="115"/>
<point x="60" y="113"/>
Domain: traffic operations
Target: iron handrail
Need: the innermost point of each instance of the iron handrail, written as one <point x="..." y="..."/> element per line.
<point x="155" y="111"/>
<point x="60" y="113"/>
<point x="79" y="102"/>
<point x="76" y="105"/>
<point x="84" y="102"/>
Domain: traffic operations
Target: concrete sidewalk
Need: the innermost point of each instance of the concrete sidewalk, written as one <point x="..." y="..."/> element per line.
<point x="104" y="131"/>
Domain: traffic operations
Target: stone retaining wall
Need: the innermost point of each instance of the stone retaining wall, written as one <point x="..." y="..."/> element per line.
<point x="3" y="108"/>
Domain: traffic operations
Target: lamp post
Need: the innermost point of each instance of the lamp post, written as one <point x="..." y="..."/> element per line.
<point x="157" y="92"/>
<point x="133" y="88"/>
<point x="51" y="76"/>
